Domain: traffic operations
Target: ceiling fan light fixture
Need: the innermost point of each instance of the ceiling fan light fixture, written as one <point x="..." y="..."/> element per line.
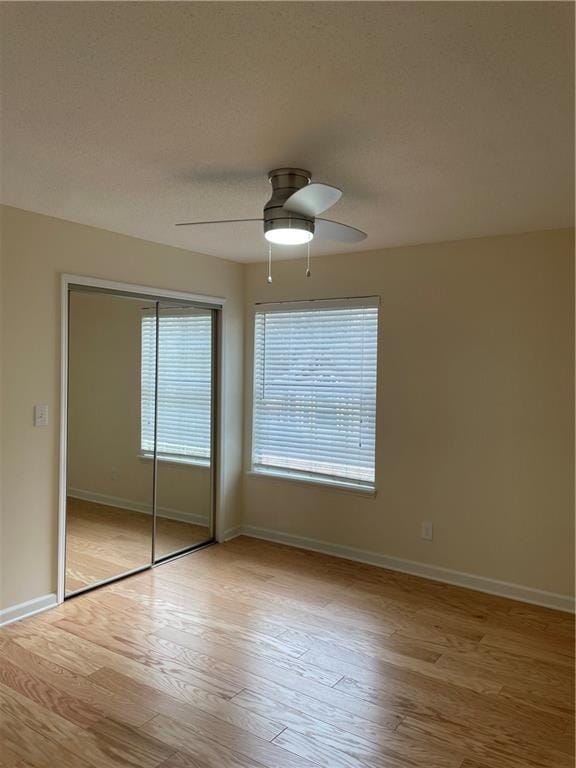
<point x="291" y="215"/>
<point x="288" y="236"/>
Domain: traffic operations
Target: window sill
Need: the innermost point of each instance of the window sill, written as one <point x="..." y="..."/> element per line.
<point x="189" y="461"/>
<point x="328" y="485"/>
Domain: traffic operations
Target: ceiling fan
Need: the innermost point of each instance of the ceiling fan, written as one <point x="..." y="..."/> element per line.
<point x="291" y="215"/>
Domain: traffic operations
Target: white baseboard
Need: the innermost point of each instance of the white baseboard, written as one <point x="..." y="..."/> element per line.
<point x="232" y="533"/>
<point x="29" y="608"/>
<point x="433" y="572"/>
<point x="136" y="506"/>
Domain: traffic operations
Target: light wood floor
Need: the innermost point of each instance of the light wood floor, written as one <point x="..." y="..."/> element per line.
<point x="252" y="655"/>
<point x="104" y="541"/>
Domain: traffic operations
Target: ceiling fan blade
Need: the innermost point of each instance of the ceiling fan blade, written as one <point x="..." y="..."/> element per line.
<point x="333" y="230"/>
<point x="313" y="199"/>
<point x="222" y="221"/>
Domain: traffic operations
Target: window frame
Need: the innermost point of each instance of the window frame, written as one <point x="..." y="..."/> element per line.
<point x="326" y="482"/>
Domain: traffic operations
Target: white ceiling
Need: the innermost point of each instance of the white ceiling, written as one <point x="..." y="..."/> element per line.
<point x="439" y="120"/>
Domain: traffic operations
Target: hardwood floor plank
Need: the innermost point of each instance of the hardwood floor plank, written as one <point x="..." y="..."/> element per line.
<point x="518" y="742"/>
<point x="551" y="617"/>
<point x="449" y="702"/>
<point x="56" y="652"/>
<point x="199" y="650"/>
<point x="9" y="758"/>
<point x="328" y="705"/>
<point x="123" y="643"/>
<point x="559" y="703"/>
<point x="303" y="712"/>
<point x="238" y="587"/>
<point x="82" y="743"/>
<point x="19" y="739"/>
<point x="198" y="608"/>
<point x="74" y="685"/>
<point x="250" y="750"/>
<point x="137" y="747"/>
<point x="391" y="664"/>
<point x="397" y="753"/>
<point x="196" y="622"/>
<point x="52" y="699"/>
<point x="494" y="752"/>
<point x="257" y="655"/>
<point x="325" y="755"/>
<point x="211" y="757"/>
<point x="336" y="697"/>
<point x="295" y="614"/>
<point x="502" y="622"/>
<point x="209" y="710"/>
<point x="541" y="649"/>
<point x="430" y="638"/>
<point x="316" y="644"/>
<point x="86" y="610"/>
<point x="497" y="717"/>
<point x="442" y="632"/>
<point x="253" y="643"/>
<point x="166" y="673"/>
<point x="496" y="664"/>
<point x="384" y="747"/>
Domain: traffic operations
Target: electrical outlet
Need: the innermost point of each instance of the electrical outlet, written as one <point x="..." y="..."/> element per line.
<point x="115" y="474"/>
<point x="427" y="531"/>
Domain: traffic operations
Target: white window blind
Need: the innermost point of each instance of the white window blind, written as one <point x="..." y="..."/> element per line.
<point x="315" y="390"/>
<point x="184" y="384"/>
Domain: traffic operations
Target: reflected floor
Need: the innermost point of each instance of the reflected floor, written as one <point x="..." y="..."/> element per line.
<point x="104" y="541"/>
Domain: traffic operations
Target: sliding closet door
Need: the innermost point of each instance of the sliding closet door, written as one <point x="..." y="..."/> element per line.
<point x="185" y="427"/>
<point x="109" y="520"/>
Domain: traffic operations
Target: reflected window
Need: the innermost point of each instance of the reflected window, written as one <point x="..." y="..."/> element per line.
<point x="184" y="385"/>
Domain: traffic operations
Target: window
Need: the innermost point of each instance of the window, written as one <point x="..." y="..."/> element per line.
<point x="315" y="390"/>
<point x="184" y="385"/>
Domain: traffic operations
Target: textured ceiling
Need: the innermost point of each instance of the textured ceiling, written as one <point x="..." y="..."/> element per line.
<point x="439" y="120"/>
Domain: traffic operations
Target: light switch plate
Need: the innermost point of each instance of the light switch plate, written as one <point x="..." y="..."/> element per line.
<point x="40" y="415"/>
<point x="427" y="531"/>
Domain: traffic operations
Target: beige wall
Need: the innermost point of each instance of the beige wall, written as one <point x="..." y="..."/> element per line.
<point x="475" y="408"/>
<point x="36" y="249"/>
<point x="104" y="416"/>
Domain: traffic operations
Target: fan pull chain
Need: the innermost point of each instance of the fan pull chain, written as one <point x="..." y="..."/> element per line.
<point x="308" y="260"/>
<point x="269" y="262"/>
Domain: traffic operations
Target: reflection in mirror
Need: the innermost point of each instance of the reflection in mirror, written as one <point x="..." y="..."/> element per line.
<point x="109" y="518"/>
<point x="184" y="424"/>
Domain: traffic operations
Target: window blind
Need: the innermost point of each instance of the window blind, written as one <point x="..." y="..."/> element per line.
<point x="184" y="384"/>
<point x="314" y="410"/>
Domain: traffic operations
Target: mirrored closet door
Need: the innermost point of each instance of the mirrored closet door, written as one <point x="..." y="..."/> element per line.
<point x="185" y="386"/>
<point x="140" y="426"/>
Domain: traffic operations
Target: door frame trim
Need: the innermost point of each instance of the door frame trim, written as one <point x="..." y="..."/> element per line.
<point x="66" y="280"/>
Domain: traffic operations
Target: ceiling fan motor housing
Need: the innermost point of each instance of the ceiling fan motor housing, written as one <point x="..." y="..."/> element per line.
<point x="286" y="181"/>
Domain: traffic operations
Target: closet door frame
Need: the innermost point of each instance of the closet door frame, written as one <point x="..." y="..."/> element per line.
<point x="148" y="293"/>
